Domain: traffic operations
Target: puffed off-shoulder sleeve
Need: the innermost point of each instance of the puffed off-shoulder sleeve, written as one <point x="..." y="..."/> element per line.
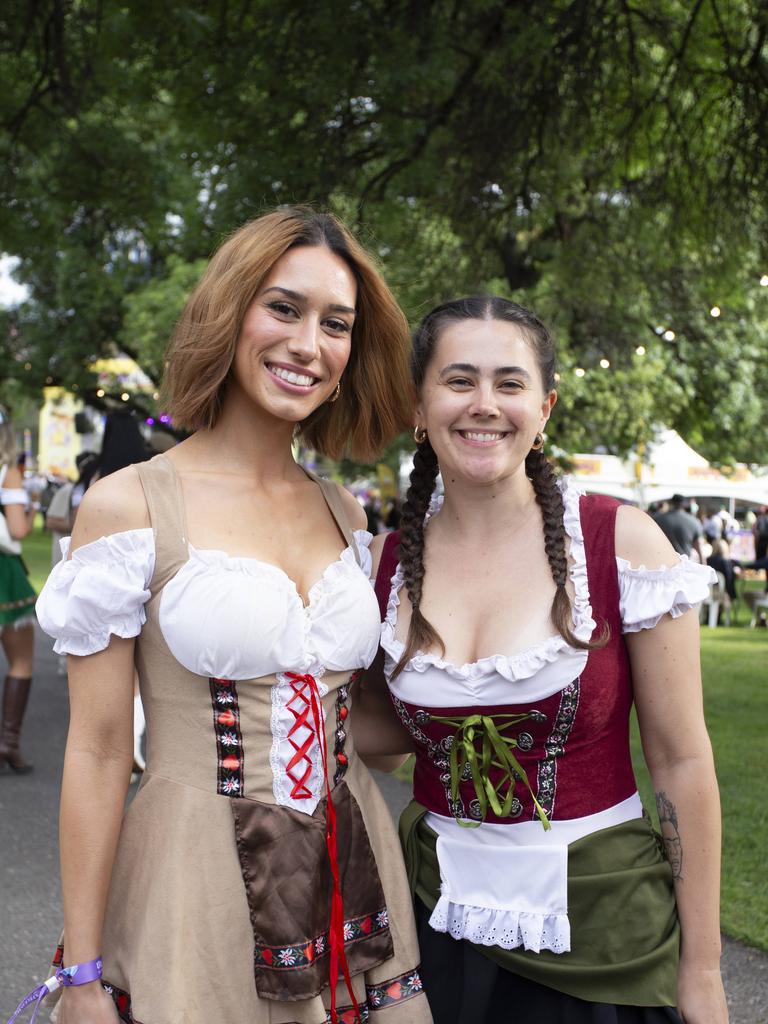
<point x="647" y="595"/>
<point x="99" y="592"/>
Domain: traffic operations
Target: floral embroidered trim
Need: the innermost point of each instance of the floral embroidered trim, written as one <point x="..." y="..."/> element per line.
<point x="122" y="1003"/>
<point x="347" y="1015"/>
<point x="120" y="998"/>
<point x="229" y="739"/>
<point x="439" y="754"/>
<point x="397" y="990"/>
<point x="546" y="776"/>
<point x="283" y="958"/>
<point x="342" y="713"/>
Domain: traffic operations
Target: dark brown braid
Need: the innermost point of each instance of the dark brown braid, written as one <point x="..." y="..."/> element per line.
<point x="549" y="499"/>
<point x="421" y="633"/>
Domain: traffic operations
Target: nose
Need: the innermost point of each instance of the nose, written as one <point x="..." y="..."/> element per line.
<point x="304" y="342"/>
<point x="484" y="404"/>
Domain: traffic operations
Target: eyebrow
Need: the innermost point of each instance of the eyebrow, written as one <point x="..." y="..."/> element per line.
<point x="500" y="371"/>
<point x="298" y="297"/>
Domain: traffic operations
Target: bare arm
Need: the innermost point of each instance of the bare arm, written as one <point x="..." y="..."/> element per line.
<point x="380" y="738"/>
<point x="97" y="764"/>
<point x="19" y="516"/>
<point x="667" y="685"/>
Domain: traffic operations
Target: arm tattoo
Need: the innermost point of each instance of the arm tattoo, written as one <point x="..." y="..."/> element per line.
<point x="670" y="834"/>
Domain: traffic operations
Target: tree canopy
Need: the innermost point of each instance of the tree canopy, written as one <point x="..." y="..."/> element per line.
<point x="603" y="161"/>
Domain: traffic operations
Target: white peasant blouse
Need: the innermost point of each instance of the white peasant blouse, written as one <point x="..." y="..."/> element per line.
<point x="221" y="616"/>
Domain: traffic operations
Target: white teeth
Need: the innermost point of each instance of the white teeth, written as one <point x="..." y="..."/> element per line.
<point x="292" y="378"/>
<point x="473" y="436"/>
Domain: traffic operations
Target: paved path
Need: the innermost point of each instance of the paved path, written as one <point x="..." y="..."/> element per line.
<point x="30" y="901"/>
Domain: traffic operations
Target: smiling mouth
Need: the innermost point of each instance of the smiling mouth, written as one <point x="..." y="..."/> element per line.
<point x="303" y="380"/>
<point x="483" y="436"/>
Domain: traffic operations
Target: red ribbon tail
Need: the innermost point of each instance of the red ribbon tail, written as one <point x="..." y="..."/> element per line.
<point x="337" y="954"/>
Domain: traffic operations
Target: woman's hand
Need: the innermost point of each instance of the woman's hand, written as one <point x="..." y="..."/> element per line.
<point x="87" y="1004"/>
<point x="700" y="995"/>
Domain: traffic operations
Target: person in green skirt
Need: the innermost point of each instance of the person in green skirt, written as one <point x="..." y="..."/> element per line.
<point x="17" y="600"/>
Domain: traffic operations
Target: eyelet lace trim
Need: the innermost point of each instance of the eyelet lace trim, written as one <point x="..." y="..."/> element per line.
<point x="525" y="663"/>
<point x="506" y="928"/>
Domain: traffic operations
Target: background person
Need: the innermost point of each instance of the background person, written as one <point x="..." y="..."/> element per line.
<point x="682" y="529"/>
<point x="521" y="621"/>
<point x="17" y="599"/>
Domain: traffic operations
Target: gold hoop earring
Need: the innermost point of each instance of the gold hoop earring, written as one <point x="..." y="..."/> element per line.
<point x="538" y="443"/>
<point x="336" y="393"/>
<point x="419" y="435"/>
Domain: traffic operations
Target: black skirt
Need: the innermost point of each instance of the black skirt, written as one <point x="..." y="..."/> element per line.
<point x="464" y="987"/>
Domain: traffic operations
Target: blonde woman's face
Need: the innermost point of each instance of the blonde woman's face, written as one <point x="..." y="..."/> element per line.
<point x="296" y="335"/>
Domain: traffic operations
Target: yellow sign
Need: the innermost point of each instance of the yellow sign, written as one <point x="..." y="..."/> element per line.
<point x="59" y="441"/>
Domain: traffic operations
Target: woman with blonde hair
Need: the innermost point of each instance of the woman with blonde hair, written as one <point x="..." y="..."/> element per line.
<point x="255" y="877"/>
<point x="17" y="600"/>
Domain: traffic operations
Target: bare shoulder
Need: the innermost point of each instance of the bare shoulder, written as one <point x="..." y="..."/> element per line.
<point x="13" y="478"/>
<point x="112" y="505"/>
<point x="353" y="509"/>
<point x="640" y="541"/>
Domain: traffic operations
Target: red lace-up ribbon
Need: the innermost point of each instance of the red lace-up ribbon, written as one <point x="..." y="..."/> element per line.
<point x="337" y="955"/>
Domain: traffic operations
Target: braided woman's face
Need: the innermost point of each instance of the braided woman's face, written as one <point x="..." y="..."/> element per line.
<point x="482" y="402"/>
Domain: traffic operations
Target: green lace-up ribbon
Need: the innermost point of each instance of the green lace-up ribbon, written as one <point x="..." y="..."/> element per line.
<point x="496" y="751"/>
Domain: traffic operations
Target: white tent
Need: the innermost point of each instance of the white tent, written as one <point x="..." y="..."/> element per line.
<point x="670" y="466"/>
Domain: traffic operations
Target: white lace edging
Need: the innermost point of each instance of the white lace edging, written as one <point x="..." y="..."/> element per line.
<point x="281" y="751"/>
<point x="506" y="928"/>
<point x="525" y="663"/>
<point x="647" y="595"/>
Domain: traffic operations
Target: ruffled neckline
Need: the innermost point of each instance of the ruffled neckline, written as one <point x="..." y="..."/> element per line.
<point x="212" y="558"/>
<point x="522" y="664"/>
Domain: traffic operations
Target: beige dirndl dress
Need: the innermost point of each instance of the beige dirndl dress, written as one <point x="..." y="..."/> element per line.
<point x="221" y="906"/>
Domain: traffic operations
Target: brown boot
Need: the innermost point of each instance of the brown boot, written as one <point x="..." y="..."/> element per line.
<point x="14" y="705"/>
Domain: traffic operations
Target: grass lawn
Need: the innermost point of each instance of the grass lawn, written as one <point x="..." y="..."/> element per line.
<point x="735" y="667"/>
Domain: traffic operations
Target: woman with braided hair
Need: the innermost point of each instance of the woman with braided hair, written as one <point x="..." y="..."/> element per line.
<point x="521" y="622"/>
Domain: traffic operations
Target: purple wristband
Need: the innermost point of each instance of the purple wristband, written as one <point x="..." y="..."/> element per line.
<point x="80" y="974"/>
<point x="77" y="974"/>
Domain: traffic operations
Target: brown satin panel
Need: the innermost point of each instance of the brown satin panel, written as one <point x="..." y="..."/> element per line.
<point x="290" y="903"/>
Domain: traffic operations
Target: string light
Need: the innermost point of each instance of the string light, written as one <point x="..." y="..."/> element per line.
<point x="100" y="393"/>
<point x="669" y="335"/>
<point x="764" y="280"/>
<point x="605" y="363"/>
<point x="715" y="311"/>
<point x="579" y="371"/>
<point x="640" y="350"/>
<point x="125" y="396"/>
<point x="557" y="378"/>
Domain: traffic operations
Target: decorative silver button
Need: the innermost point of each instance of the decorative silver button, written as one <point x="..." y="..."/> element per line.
<point x="525" y="741"/>
<point x="538" y="716"/>
<point x="466" y="772"/>
<point x="516" y="808"/>
<point x="475" y="810"/>
<point x="422" y="717"/>
<point x="446" y="743"/>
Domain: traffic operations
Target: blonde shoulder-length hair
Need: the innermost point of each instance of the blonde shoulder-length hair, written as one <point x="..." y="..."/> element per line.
<point x="375" y="400"/>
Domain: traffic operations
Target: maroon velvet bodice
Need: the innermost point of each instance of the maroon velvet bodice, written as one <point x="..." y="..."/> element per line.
<point x="573" y="745"/>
